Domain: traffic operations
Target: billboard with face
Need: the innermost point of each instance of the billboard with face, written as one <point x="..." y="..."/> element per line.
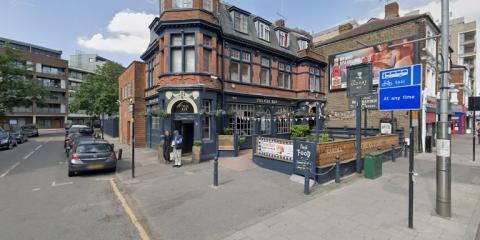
<point x="381" y="56"/>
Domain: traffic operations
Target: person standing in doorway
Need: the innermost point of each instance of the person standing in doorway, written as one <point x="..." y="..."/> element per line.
<point x="177" y="144"/>
<point x="167" y="148"/>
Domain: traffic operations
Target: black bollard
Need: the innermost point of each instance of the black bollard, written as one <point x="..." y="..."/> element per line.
<point x="306" y="187"/>
<point x="393" y="153"/>
<point x="215" y="171"/>
<point x="405" y="150"/>
<point x="337" y="169"/>
<point x="120" y="151"/>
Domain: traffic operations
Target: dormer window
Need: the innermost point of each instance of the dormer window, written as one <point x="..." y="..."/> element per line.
<point x="302" y="44"/>
<point x="263" y="31"/>
<point x="283" y="38"/>
<point x="239" y="21"/>
<point x="179" y="4"/>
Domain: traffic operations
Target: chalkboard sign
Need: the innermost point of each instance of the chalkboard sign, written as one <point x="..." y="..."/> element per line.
<point x="359" y="80"/>
<point x="369" y="102"/>
<point x="304" y="157"/>
<point x="473" y="103"/>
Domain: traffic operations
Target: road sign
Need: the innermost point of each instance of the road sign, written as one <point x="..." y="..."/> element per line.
<point x="359" y="80"/>
<point x="400" y="88"/>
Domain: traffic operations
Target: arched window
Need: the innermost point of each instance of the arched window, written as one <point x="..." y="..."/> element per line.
<point x="265" y="121"/>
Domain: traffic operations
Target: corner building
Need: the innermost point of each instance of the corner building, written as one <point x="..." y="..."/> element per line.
<point x="212" y="66"/>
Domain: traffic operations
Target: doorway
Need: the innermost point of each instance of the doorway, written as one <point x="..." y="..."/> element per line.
<point x="185" y="128"/>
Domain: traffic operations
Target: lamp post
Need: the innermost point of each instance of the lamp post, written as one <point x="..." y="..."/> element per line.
<point x="132" y="110"/>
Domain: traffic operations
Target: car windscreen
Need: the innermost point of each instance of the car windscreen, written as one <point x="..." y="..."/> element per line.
<point x="94" y="148"/>
<point x="3" y="134"/>
<point x="28" y="128"/>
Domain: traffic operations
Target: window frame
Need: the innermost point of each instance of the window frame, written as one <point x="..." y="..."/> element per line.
<point x="151" y="71"/>
<point x="285" y="71"/>
<point x="207" y="48"/>
<point x="209" y="6"/>
<point x="183" y="49"/>
<point x="185" y="4"/>
<point x="302" y="44"/>
<point x="283" y="44"/>
<point x="239" y="26"/>
<point x="241" y="61"/>
<point x="268" y="68"/>
<point x="263" y="30"/>
<point x="245" y="122"/>
<point x="315" y="73"/>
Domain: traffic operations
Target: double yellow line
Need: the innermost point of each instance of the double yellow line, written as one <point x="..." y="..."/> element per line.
<point x="141" y="231"/>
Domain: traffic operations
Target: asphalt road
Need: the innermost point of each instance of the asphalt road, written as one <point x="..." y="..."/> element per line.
<point x="39" y="201"/>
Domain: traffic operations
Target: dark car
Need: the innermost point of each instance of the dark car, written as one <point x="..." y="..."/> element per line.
<point x="20" y="135"/>
<point x="7" y="140"/>
<point x="71" y="138"/>
<point x="90" y="155"/>
<point x="30" y="130"/>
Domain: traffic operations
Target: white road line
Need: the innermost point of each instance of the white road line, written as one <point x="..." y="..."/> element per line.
<point x="54" y="184"/>
<point x="28" y="155"/>
<point x="10" y="169"/>
<point x="35" y="189"/>
<point x="39" y="146"/>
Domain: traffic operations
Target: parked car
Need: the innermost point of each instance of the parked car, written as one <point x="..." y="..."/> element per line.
<point x="90" y="155"/>
<point x="74" y="138"/>
<point x="31" y="130"/>
<point x="20" y="135"/>
<point x="7" y="140"/>
<point x="73" y="130"/>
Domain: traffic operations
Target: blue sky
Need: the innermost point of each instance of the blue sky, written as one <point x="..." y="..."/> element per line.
<point x="117" y="29"/>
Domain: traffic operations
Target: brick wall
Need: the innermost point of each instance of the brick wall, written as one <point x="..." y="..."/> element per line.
<point x="135" y="74"/>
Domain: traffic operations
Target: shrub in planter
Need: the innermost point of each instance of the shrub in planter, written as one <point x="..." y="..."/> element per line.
<point x="197" y="151"/>
<point x="228" y="131"/>
<point x="241" y="140"/>
<point x="299" y="131"/>
<point x="324" y="138"/>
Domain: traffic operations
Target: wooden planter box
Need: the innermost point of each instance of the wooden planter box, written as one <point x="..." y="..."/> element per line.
<point x="227" y="145"/>
<point x="196" y="154"/>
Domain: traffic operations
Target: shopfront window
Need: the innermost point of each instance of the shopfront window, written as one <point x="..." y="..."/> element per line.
<point x="244" y="117"/>
<point x="284" y="122"/>
<point x="265" y="121"/>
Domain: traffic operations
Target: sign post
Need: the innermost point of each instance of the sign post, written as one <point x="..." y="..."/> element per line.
<point x="304" y="160"/>
<point x="359" y="83"/>
<point x="401" y="89"/>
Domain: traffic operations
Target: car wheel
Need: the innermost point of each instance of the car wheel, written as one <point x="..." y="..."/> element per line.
<point x="114" y="169"/>
<point x="71" y="174"/>
<point x="10" y="146"/>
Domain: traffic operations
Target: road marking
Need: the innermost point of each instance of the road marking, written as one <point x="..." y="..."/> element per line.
<point x="141" y="231"/>
<point x="28" y="155"/>
<point x="54" y="184"/>
<point x="10" y="169"/>
<point x="35" y="189"/>
<point x="39" y="146"/>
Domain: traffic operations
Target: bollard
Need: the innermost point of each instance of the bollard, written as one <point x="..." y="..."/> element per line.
<point x="215" y="171"/>
<point x="337" y="169"/>
<point x="393" y="153"/>
<point x="405" y="152"/>
<point x="306" y="187"/>
<point x="120" y="151"/>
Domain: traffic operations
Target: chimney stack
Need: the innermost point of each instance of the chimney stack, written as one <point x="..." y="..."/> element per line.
<point x="345" y="28"/>
<point x="391" y="10"/>
<point x="280" y="23"/>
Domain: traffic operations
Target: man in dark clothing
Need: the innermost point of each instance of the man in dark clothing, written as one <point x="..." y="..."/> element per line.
<point x="167" y="148"/>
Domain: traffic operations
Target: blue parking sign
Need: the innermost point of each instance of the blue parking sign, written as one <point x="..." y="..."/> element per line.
<point x="400" y="88"/>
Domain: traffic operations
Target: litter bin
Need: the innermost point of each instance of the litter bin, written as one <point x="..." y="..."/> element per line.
<point x="373" y="165"/>
<point x="428" y="144"/>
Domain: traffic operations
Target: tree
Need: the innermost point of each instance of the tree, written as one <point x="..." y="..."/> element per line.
<point x="98" y="95"/>
<point x="17" y="87"/>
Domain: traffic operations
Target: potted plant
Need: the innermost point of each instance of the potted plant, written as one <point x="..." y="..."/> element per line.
<point x="197" y="151"/>
<point x="299" y="131"/>
<point x="161" y="113"/>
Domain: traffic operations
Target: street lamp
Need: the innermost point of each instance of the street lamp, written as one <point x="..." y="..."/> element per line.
<point x="132" y="110"/>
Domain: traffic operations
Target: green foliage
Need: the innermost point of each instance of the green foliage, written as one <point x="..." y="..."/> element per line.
<point x="99" y="93"/>
<point x="198" y="143"/>
<point x="228" y="131"/>
<point x="146" y="114"/>
<point x="324" y="137"/>
<point x="299" y="130"/>
<point x="17" y="87"/>
<point x="241" y="139"/>
<point x="161" y="113"/>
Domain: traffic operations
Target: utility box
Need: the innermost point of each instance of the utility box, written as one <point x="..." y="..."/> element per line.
<point x="373" y="165"/>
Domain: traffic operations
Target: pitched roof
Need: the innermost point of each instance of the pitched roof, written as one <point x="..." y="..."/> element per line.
<point x="375" y="25"/>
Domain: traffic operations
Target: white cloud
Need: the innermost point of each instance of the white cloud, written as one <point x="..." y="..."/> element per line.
<point x="128" y="33"/>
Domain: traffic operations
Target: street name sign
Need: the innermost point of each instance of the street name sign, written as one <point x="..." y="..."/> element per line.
<point x="400" y="88"/>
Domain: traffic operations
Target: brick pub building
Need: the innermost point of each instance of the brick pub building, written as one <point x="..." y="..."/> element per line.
<point x="205" y="57"/>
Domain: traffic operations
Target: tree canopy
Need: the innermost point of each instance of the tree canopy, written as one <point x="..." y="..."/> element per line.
<point x="17" y="86"/>
<point x="99" y="93"/>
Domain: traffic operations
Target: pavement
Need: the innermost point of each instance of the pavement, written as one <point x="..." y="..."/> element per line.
<point x="255" y="203"/>
<point x="39" y="201"/>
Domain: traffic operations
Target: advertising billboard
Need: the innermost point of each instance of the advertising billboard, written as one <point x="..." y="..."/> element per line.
<point x="279" y="149"/>
<point x="381" y="56"/>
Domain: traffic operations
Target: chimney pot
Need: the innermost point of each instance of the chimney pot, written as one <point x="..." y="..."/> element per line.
<point x="391" y="10"/>
<point x="280" y="23"/>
